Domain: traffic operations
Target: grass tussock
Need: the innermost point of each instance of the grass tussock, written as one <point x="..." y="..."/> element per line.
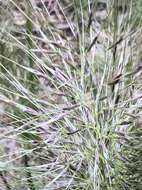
<point x="70" y="94"/>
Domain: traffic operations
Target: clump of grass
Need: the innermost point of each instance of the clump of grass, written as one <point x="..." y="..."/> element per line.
<point x="70" y="88"/>
<point x="129" y="160"/>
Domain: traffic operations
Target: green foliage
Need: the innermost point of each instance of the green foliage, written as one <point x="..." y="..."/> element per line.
<point x="130" y="164"/>
<point x="70" y="88"/>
